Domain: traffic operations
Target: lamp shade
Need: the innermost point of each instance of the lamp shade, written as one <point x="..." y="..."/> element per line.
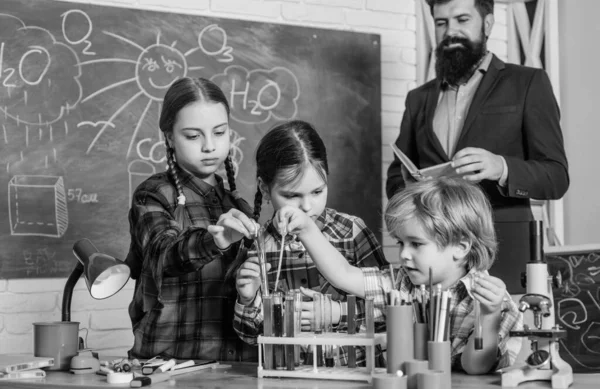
<point x="104" y="275"/>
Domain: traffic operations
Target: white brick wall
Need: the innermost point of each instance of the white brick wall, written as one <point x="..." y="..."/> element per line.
<point x="105" y="323"/>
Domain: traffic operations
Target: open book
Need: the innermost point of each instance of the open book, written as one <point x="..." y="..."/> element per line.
<point x="443" y="169"/>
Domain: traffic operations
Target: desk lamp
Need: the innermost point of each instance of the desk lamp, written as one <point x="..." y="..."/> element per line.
<point x="104" y="276"/>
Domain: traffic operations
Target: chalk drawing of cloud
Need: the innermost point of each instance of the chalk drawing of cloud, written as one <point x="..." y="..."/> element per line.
<point x="39" y="76"/>
<point x="257" y="95"/>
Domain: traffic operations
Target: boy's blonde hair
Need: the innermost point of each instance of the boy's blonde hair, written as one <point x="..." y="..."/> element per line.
<point x="449" y="211"/>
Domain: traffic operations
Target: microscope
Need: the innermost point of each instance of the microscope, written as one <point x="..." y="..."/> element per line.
<point x="544" y="363"/>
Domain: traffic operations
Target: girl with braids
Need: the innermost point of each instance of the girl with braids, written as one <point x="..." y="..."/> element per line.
<point x="185" y="230"/>
<point x="292" y="170"/>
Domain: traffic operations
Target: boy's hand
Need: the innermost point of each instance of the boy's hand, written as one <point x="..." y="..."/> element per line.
<point x="292" y="220"/>
<point x="490" y="291"/>
<point x="247" y="280"/>
<point x="231" y="227"/>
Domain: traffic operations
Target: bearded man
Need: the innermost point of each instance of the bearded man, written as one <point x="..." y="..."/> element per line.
<point x="498" y="123"/>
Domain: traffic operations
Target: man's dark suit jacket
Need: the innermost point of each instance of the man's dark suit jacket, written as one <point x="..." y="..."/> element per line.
<point x="513" y="114"/>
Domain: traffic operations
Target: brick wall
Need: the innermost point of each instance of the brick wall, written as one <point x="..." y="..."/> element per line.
<point x="106" y="323"/>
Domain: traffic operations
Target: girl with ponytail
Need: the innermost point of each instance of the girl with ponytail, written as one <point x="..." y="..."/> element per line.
<point x="292" y="169"/>
<point x="185" y="230"/>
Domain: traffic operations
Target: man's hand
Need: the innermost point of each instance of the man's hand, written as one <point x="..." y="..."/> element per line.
<point x="478" y="164"/>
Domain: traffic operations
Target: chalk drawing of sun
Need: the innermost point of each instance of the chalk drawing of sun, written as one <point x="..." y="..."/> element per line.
<point x="157" y="67"/>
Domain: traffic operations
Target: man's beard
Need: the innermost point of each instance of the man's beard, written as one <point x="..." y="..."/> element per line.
<point x="456" y="64"/>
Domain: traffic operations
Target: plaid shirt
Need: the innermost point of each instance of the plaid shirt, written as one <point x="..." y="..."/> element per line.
<point x="350" y="236"/>
<point x="182" y="306"/>
<point x="462" y="316"/>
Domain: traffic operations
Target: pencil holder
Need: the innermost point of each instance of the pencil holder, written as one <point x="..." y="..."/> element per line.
<point x="389" y="381"/>
<point x="411" y="369"/>
<point x="400" y="337"/>
<point x="421" y="332"/>
<point x="439" y="357"/>
<point x="433" y="379"/>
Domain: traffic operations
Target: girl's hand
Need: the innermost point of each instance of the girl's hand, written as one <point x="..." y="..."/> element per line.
<point x="247" y="280"/>
<point x="292" y="220"/>
<point x="308" y="310"/>
<point x="490" y="291"/>
<point x="231" y="227"/>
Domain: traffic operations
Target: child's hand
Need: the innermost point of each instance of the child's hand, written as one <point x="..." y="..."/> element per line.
<point x="308" y="310"/>
<point x="247" y="280"/>
<point x="490" y="291"/>
<point x="291" y="220"/>
<point x="231" y="227"/>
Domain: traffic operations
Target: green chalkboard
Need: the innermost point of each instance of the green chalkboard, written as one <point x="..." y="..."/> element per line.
<point x="81" y="88"/>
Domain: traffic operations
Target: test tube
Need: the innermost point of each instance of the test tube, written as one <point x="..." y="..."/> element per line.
<point x="318" y="325"/>
<point x="278" y="328"/>
<point x="297" y="322"/>
<point x="370" y="333"/>
<point x="478" y="326"/>
<point x="290" y="326"/>
<point x="268" y="330"/>
<point x="328" y="328"/>
<point x="262" y="261"/>
<point x="351" y="330"/>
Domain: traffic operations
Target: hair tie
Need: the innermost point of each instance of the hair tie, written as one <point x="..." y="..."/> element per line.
<point x="181" y="200"/>
<point x="235" y="194"/>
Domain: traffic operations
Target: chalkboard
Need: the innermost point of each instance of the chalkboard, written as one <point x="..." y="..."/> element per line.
<point x="577" y="304"/>
<point x="81" y="88"/>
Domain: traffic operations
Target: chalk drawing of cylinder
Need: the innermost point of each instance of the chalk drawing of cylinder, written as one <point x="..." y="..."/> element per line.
<point x="37" y="205"/>
<point x="139" y="171"/>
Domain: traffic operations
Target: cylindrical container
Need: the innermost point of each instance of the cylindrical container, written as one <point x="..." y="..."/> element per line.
<point x="440" y="357"/>
<point x="433" y="379"/>
<point x="389" y="381"/>
<point x="411" y="369"/>
<point x="400" y="337"/>
<point x="58" y="340"/>
<point x="421" y="332"/>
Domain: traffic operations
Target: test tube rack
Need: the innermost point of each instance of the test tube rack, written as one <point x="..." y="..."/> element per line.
<point x="342" y="373"/>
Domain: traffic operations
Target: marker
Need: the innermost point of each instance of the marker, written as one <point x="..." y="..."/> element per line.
<point x="166" y="366"/>
<point x="183" y="364"/>
<point x="138" y="382"/>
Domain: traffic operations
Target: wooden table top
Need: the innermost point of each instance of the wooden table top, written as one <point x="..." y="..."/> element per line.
<point x="245" y="376"/>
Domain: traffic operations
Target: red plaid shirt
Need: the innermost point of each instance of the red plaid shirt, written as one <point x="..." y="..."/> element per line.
<point x="462" y="316"/>
<point x="182" y="307"/>
<point x="350" y="236"/>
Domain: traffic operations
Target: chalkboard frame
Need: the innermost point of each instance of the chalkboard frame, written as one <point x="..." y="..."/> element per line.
<point x="338" y="73"/>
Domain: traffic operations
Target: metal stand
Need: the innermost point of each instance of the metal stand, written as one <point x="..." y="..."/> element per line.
<point x="544" y="363"/>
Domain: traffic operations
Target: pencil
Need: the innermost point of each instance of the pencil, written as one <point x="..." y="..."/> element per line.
<point x="423" y="308"/>
<point x="431" y="315"/>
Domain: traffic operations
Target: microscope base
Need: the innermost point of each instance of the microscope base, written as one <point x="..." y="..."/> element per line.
<point x="561" y="373"/>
